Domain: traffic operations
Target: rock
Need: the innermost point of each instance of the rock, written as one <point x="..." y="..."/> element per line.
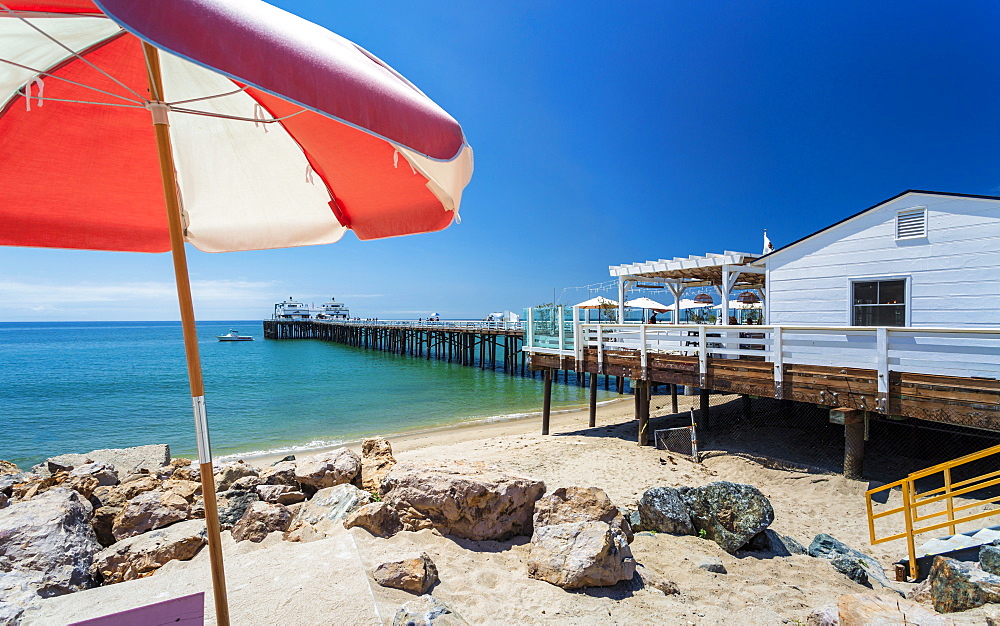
<point x="148" y="511"/>
<point x="328" y="507"/>
<point x="921" y="593"/>
<point x="652" y="579"/>
<point x="729" y="513"/>
<point x="635" y="521"/>
<point x="851" y="567"/>
<point x="124" y="460"/>
<point x="4" y="500"/>
<point x="232" y="505"/>
<point x="772" y="543"/>
<point x="415" y="573"/>
<point x="7" y="481"/>
<point x="103" y="523"/>
<point x="869" y="608"/>
<point x="661" y="509"/>
<point x="247" y="483"/>
<point x="824" y="546"/>
<point x="824" y="616"/>
<point x="186" y="489"/>
<point x="580" y="504"/>
<point x="290" y="457"/>
<point x="957" y="586"/>
<point x="108" y="496"/>
<point x="328" y="469"/>
<point x="376" y="461"/>
<point x="260" y="519"/>
<point x="580" y="554"/>
<point x="32" y="486"/>
<point x="6" y="467"/>
<point x="989" y="559"/>
<point x="378" y="518"/>
<point x="281" y="473"/>
<point x="712" y="564"/>
<point x="105" y="473"/>
<point x="46" y="549"/>
<point x="467" y="500"/>
<point x="426" y="611"/>
<point x="83" y="484"/>
<point x="134" y="484"/>
<point x="230" y="473"/>
<point x="281" y="494"/>
<point x="141" y="555"/>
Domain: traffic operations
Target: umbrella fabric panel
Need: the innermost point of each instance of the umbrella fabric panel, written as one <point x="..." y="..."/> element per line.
<point x="244" y="186"/>
<point x="82" y="176"/>
<point x="285" y="55"/>
<point x="53" y="6"/>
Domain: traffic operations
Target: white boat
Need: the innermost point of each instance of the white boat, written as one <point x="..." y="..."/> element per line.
<point x="234" y="335"/>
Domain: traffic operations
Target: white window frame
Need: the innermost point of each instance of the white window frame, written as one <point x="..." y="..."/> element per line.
<point x="907" y="302"/>
<point x="912" y="209"/>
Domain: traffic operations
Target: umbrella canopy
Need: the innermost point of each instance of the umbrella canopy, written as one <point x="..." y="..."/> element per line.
<point x="687" y="303"/>
<point x="647" y="303"/>
<point x="252" y="129"/>
<point x="599" y="302"/>
<point x="263" y="107"/>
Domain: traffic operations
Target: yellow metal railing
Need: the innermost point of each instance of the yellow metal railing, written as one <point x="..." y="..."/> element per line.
<point x="914" y="500"/>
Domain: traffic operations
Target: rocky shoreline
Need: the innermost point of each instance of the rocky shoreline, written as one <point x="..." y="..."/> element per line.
<point x="81" y="521"/>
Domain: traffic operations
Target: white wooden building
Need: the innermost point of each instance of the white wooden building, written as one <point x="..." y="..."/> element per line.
<point x="920" y="259"/>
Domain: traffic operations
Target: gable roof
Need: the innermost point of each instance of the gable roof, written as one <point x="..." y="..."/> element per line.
<point x="872" y="208"/>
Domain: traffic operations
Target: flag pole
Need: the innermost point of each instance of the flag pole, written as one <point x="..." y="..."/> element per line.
<point x="170" y="194"/>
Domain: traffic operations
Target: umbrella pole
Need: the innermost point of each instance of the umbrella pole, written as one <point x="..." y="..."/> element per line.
<point x="170" y="194"/>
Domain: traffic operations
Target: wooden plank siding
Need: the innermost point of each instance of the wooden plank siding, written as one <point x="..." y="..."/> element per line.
<point x="952" y="400"/>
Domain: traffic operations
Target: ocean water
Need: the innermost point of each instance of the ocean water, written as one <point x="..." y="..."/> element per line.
<point x="81" y="386"/>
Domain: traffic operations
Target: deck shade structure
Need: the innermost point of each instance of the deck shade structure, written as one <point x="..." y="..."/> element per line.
<point x="228" y="124"/>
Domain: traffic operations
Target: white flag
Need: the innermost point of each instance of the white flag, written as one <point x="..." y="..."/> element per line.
<point x="768" y="246"/>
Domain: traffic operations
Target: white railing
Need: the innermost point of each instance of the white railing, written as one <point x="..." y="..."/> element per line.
<point x="959" y="352"/>
<point x="466" y="324"/>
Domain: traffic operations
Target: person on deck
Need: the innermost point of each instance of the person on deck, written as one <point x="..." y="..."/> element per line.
<point x="652" y="318"/>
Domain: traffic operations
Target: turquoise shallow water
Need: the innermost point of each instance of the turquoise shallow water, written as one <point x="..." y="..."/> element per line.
<point x="80" y="386"/>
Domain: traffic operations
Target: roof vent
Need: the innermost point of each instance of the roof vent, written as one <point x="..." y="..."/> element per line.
<point x="911" y="223"/>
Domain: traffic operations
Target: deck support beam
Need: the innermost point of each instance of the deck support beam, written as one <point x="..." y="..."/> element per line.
<point x="547" y="401"/>
<point x="854" y="442"/>
<point x="593" y="400"/>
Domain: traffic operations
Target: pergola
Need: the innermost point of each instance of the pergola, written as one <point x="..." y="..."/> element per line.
<point x="725" y="272"/>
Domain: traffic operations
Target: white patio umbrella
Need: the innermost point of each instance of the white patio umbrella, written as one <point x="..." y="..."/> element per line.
<point x="647" y="303"/>
<point x="596" y="303"/>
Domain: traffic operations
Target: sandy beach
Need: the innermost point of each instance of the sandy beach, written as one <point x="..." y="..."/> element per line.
<point x="329" y="581"/>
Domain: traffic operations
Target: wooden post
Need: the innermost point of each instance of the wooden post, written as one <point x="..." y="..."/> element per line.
<point x="747" y="407"/>
<point x="642" y="401"/>
<point x="704" y="421"/>
<point x="620" y="382"/>
<point x="854" y="443"/>
<point x="547" y="401"/>
<point x="593" y="400"/>
<point x="673" y="398"/>
<point x="171" y="197"/>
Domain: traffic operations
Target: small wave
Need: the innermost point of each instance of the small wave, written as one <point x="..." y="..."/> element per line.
<point x="315" y="444"/>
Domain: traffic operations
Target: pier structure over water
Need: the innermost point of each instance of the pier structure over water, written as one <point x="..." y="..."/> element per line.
<point x="488" y="345"/>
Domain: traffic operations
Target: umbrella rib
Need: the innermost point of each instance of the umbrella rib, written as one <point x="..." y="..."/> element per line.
<point x="235" y="117"/>
<point x="105" y="104"/>
<point x="70" y="50"/>
<point x="218" y="95"/>
<point x="72" y="82"/>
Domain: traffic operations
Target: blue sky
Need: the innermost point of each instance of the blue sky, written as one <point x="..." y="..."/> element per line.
<point x="606" y="133"/>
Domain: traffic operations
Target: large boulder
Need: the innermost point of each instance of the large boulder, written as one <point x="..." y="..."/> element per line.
<point x="124" y="460"/>
<point x="415" y="573"/>
<point x="141" y="555"/>
<point x="46" y="548"/>
<point x="280" y="494"/>
<point x="728" y="513"/>
<point x="104" y="473"/>
<point x="580" y="554"/>
<point x="6" y="467"/>
<point x="468" y="500"/>
<point x="187" y="489"/>
<point x="148" y="511"/>
<point x="824" y="546"/>
<point x="281" y="473"/>
<point x="376" y="461"/>
<point x="957" y="586"/>
<point x="328" y="469"/>
<point x="103" y="522"/>
<point x="870" y="608"/>
<point x="134" y="484"/>
<point x="260" y="519"/>
<point x="327" y="508"/>
<point x="774" y="544"/>
<point x="580" y="504"/>
<point x="378" y="518"/>
<point x="231" y="505"/>
<point x="427" y="611"/>
<point x="232" y="472"/>
<point x="661" y="509"/>
<point x="989" y="559"/>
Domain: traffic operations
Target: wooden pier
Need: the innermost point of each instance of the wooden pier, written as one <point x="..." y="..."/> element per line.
<point x="487" y="345"/>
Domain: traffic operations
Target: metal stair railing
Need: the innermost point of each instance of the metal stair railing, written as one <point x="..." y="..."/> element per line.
<point x="946" y="494"/>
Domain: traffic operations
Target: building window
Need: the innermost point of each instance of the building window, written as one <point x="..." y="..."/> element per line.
<point x="879" y="303"/>
<point x="911" y="223"/>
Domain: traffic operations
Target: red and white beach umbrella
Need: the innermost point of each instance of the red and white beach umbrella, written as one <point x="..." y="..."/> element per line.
<point x="228" y="124"/>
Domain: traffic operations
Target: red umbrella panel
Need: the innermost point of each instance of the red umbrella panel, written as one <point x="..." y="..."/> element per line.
<point x="227" y="124"/>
